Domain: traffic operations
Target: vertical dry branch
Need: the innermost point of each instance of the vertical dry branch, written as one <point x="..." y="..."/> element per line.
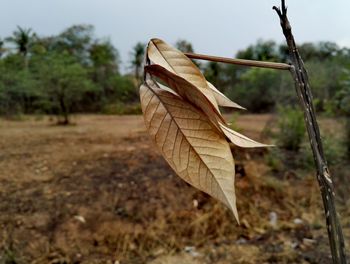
<point x="324" y="179"/>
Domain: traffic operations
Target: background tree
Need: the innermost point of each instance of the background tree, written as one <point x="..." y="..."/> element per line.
<point x="18" y="88"/>
<point x="262" y="50"/>
<point x="76" y="40"/>
<point x="326" y="62"/>
<point x="63" y="82"/>
<point x="184" y="46"/>
<point x="343" y="105"/>
<point x="137" y="56"/>
<point x="2" y="48"/>
<point x="214" y="73"/>
<point x="105" y="65"/>
<point x="256" y="89"/>
<point x="22" y="39"/>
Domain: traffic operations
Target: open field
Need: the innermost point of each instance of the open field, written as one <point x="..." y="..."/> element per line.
<point x="99" y="192"/>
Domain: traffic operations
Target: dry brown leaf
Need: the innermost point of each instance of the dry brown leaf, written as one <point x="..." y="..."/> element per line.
<point x="187" y="125"/>
<point x="241" y="140"/>
<point x="176" y="62"/>
<point x="190" y="93"/>
<point x="192" y="146"/>
<point x="187" y="91"/>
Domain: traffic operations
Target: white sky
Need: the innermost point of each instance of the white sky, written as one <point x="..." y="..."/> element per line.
<point x="219" y="27"/>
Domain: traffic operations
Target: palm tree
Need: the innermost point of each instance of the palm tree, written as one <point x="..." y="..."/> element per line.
<point x="22" y="38"/>
<point x="137" y="54"/>
<point x="2" y="49"/>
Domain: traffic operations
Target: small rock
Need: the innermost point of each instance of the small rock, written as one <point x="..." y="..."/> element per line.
<point x="80" y="218"/>
<point x="294" y="245"/>
<point x="195" y="203"/>
<point x="158" y="252"/>
<point x="132" y="246"/>
<point x="189" y="249"/>
<point x="298" y="221"/>
<point x="273" y="219"/>
<point x="241" y="241"/>
<point x="192" y="251"/>
<point x="308" y="241"/>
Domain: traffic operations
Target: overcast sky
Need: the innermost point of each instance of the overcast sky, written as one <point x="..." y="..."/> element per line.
<point x="218" y="27"/>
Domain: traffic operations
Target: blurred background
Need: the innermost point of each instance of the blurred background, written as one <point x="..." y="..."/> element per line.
<point x="81" y="181"/>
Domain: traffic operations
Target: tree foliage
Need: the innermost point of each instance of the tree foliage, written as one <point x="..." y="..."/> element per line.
<point x="22" y="38"/>
<point x="137" y="57"/>
<point x="68" y="73"/>
<point x="95" y="64"/>
<point x="63" y="82"/>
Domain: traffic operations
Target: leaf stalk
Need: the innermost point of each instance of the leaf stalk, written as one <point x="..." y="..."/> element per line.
<point x="241" y="62"/>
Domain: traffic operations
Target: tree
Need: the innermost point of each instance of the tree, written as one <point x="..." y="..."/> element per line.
<point x="137" y="56"/>
<point x="18" y="88"/>
<point x="2" y="49"/>
<point x="257" y="89"/>
<point x="320" y="51"/>
<point x="326" y="80"/>
<point x="343" y="105"/>
<point x="64" y="83"/>
<point x="262" y="50"/>
<point x="76" y="40"/>
<point x="103" y="54"/>
<point x="105" y="65"/>
<point x="213" y="72"/>
<point x="22" y="38"/>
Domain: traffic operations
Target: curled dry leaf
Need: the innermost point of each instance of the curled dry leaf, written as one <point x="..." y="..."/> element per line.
<point x="241" y="140"/>
<point x="192" y="146"/>
<point x="187" y="91"/>
<point x="176" y="62"/>
<point x="186" y="123"/>
<point x="190" y="93"/>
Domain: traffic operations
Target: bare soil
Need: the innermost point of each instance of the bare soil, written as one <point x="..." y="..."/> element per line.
<point x="99" y="192"/>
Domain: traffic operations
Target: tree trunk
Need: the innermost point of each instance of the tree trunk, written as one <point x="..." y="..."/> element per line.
<point x="63" y="112"/>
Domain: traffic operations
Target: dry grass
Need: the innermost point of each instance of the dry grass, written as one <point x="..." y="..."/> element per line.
<point x="99" y="192"/>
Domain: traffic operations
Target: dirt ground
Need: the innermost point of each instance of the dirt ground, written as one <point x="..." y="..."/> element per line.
<point x="99" y="192"/>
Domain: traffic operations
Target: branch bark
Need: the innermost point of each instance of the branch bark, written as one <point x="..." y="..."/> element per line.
<point x="302" y="86"/>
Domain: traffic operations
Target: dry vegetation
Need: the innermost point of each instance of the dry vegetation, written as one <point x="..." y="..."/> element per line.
<point x="99" y="192"/>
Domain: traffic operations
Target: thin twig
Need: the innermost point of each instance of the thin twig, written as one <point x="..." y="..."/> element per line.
<point x="251" y="63"/>
<point x="324" y="179"/>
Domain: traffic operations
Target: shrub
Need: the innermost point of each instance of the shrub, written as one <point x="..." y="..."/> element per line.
<point x="333" y="149"/>
<point x="291" y="128"/>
